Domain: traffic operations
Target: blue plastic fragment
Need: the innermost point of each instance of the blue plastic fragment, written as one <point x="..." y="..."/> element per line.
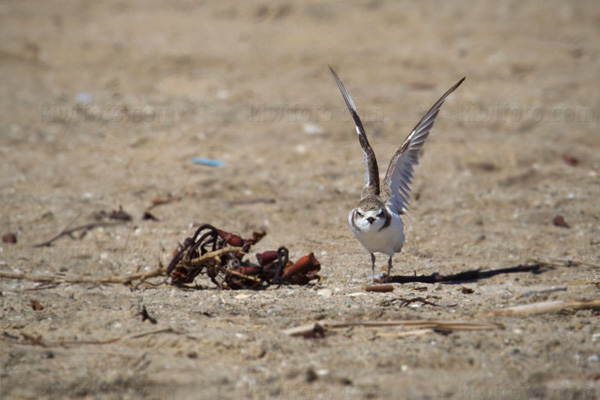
<point x="208" y="161"/>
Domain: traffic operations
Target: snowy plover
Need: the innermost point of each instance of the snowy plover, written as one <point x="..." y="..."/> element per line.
<point x="376" y="221"/>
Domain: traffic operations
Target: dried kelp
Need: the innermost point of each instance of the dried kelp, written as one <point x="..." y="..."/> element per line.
<point x="221" y="256"/>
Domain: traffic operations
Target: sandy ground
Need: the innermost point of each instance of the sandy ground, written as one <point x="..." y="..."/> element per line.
<point x="103" y="104"/>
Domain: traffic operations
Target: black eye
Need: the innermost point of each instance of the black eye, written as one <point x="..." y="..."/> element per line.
<point x="360" y="214"/>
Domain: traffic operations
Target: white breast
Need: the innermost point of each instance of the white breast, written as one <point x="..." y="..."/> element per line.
<point x="374" y="238"/>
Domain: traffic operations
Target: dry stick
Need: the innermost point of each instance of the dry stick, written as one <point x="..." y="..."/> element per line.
<point x="83" y="279"/>
<point x="544" y="291"/>
<point x="395" y="335"/>
<point x="267" y="200"/>
<point x="124" y="279"/>
<point x="548" y="307"/>
<point x="37" y="340"/>
<point x="527" y="309"/>
<point x="433" y="324"/>
<point x="85" y="227"/>
<point x="162" y="201"/>
<point x="576" y="283"/>
<point x="42" y="286"/>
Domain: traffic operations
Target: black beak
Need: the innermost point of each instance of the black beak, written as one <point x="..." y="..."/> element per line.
<point x="370" y="219"/>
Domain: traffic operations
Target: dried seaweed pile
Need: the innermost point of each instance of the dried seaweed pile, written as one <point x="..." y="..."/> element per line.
<point x="221" y="256"/>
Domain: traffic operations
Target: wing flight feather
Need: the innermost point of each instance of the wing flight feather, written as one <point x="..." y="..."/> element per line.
<point x="400" y="173"/>
<point x="372" y="170"/>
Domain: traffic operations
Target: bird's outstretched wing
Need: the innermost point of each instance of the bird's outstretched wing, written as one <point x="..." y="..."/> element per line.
<point x="372" y="184"/>
<point x="398" y="178"/>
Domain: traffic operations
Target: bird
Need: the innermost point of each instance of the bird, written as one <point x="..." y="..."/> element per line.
<point x="376" y="221"/>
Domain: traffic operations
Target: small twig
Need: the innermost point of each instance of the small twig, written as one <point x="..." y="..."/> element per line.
<point x="38" y="341"/>
<point x="545" y="291"/>
<point x="42" y="286"/>
<point x="239" y="275"/>
<point x="159" y="201"/>
<point x="576" y="283"/>
<point x="395" y="335"/>
<point x="233" y="203"/>
<point x="213" y="254"/>
<point x="154" y="332"/>
<point x="548" y="307"/>
<point x="435" y="324"/>
<point x="406" y="302"/>
<point x="83" y="228"/>
<point x="61" y="232"/>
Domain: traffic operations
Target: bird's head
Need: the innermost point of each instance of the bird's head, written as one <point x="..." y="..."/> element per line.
<point x="370" y="214"/>
<point x="370" y="218"/>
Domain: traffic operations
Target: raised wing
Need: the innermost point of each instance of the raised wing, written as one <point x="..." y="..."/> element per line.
<point x="372" y="185"/>
<point x="398" y="178"/>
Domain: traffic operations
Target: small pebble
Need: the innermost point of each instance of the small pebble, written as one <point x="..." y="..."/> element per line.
<point x="300" y="149"/>
<point x="312" y="129"/>
<point x="223" y="94"/>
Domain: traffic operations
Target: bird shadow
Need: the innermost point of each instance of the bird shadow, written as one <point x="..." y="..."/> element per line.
<point x="472" y="275"/>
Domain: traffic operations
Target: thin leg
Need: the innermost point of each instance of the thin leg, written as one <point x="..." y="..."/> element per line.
<point x="372" y="269"/>
<point x="387" y="280"/>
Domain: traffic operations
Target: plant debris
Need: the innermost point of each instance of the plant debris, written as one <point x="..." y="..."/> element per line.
<point x="149" y="216"/>
<point x="559" y="220"/>
<point x="571" y="160"/>
<point x="549" y="307"/>
<point x="36" y="306"/>
<point x="379" y="288"/>
<point x="431" y="326"/>
<point x="486" y="166"/>
<point x="119" y="215"/>
<point x="119" y="218"/>
<point x="51" y="281"/>
<point x="38" y="340"/>
<point x="407" y="302"/>
<point x="146" y="316"/>
<point x="239" y="202"/>
<point x="220" y="255"/>
<point x="9" y="238"/>
<point x="159" y="201"/>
